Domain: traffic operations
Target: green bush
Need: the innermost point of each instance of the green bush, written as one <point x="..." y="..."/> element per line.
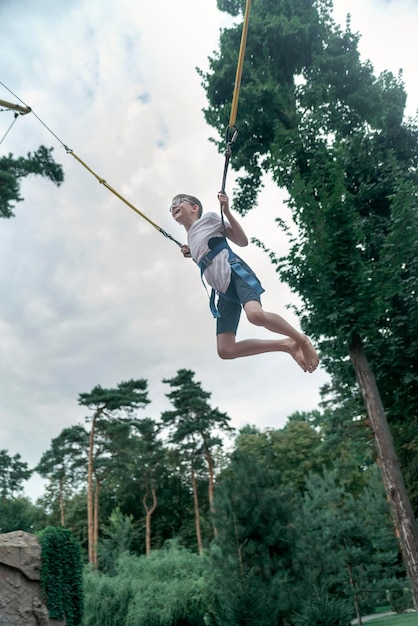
<point x="62" y="575"/>
<point x="107" y="599"/>
<point x="399" y="596"/>
<point x="165" y="588"/>
<point x="324" y="610"/>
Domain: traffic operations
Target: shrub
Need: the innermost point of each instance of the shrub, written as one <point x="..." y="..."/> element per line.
<point x="61" y="575"/>
<point x="324" y="610"/>
<point x="165" y="588"/>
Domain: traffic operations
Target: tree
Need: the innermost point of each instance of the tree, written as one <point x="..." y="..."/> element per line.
<point x="335" y="138"/>
<point x="19" y="513"/>
<point x="196" y="427"/>
<point x="13" y="473"/>
<point x="118" y="537"/>
<point x="175" y="516"/>
<point x="65" y="461"/>
<point x="292" y="451"/>
<point x="129" y="468"/>
<point x="151" y="458"/>
<point x="12" y="170"/>
<point x="106" y="404"/>
<point x="345" y="545"/>
<point x="137" y="468"/>
<point x="251" y="558"/>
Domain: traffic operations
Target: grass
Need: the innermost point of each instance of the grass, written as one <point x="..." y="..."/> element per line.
<point x="401" y="619"/>
<point x="383" y="608"/>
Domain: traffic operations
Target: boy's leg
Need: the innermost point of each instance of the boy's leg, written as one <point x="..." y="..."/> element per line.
<point x="277" y="324"/>
<point x="296" y="344"/>
<point x="229" y="348"/>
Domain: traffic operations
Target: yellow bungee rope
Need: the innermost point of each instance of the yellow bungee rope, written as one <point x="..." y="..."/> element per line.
<point x="232" y="131"/>
<point x="240" y="65"/>
<point x="26" y="109"/>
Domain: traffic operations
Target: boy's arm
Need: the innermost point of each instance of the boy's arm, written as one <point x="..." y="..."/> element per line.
<point x="234" y="230"/>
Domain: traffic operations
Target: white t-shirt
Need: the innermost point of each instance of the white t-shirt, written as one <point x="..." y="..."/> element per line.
<point x="218" y="273"/>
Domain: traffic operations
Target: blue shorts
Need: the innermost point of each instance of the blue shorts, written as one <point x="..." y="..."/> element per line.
<point x="230" y="304"/>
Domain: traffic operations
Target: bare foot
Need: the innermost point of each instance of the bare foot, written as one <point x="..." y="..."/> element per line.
<point x="310" y="355"/>
<point x="295" y="350"/>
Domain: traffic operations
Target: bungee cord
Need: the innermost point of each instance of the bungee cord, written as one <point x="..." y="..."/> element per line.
<point x="101" y="180"/>
<point x="10" y="127"/>
<point x="231" y="132"/>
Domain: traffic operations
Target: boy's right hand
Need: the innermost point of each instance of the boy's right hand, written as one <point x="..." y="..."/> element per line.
<point x="185" y="251"/>
<point x="224" y="201"/>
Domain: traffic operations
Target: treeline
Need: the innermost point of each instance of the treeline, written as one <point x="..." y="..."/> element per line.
<point x="185" y="521"/>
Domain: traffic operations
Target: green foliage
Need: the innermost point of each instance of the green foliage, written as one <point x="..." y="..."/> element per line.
<point x="320" y="122"/>
<point x="127" y="396"/>
<point x="64" y="464"/>
<point x="75" y="518"/>
<point x="284" y="37"/>
<point x="399" y="596"/>
<point x="192" y="415"/>
<point x="16" y="511"/>
<point x="345" y="546"/>
<point x="126" y="487"/>
<point x="165" y="588"/>
<point x="341" y="149"/>
<point x="195" y="431"/>
<point x="107" y="599"/>
<point x="13" y="473"/>
<point x="324" y="610"/>
<point x="251" y="570"/>
<point x="395" y="354"/>
<point x="111" y="424"/>
<point x="19" y="513"/>
<point x="12" y="170"/>
<point x="292" y="451"/>
<point x="118" y="538"/>
<point x="195" y="427"/>
<point x="279" y="536"/>
<point x="66" y="456"/>
<point x="233" y="7"/>
<point x="61" y="575"/>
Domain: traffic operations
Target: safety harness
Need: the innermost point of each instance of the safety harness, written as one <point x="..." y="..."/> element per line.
<point x="236" y="266"/>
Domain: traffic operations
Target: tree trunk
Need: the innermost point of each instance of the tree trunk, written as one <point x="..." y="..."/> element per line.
<point x="209" y="461"/>
<point x="355" y="596"/>
<point x="62" y="508"/>
<point x="402" y="514"/>
<point x="239" y="551"/>
<point x="96" y="521"/>
<point x="148" y="515"/>
<point x="196" y="513"/>
<point x="90" y="507"/>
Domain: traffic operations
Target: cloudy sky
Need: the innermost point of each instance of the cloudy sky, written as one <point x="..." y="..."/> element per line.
<point x="89" y="292"/>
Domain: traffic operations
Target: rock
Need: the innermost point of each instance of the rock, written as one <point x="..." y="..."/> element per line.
<point x="21" y="551"/>
<point x="20" y="587"/>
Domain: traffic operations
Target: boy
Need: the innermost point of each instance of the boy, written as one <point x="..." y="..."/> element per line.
<point x="236" y="284"/>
